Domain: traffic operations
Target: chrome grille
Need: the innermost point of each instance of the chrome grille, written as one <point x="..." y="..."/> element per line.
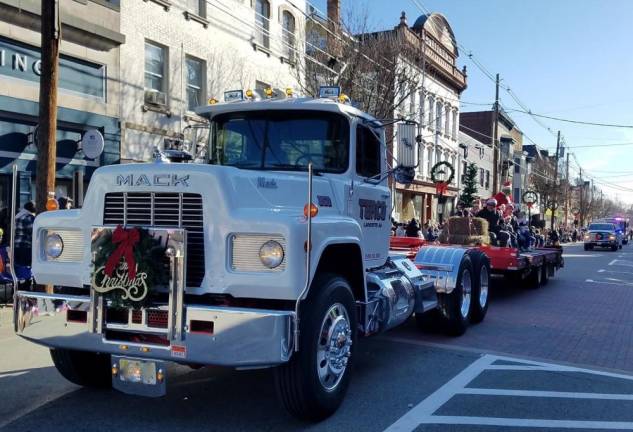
<point x="162" y="209"/>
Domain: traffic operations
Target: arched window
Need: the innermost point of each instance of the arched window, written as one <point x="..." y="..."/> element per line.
<point x="288" y="25"/>
<point x="262" y="22"/>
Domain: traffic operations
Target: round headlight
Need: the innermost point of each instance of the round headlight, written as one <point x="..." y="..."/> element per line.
<point x="271" y="254"/>
<point x="54" y="245"/>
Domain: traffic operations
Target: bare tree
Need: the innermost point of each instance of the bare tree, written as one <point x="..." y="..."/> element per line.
<point x="379" y="71"/>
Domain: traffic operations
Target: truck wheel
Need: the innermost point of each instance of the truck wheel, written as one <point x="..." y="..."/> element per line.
<point x="480" y="286"/>
<point x="456" y="305"/>
<point x="313" y="383"/>
<point x="87" y="369"/>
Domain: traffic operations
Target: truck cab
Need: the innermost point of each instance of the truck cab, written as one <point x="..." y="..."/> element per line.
<point x="272" y="250"/>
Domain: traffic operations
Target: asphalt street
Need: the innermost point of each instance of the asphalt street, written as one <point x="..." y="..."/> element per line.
<point x="555" y="358"/>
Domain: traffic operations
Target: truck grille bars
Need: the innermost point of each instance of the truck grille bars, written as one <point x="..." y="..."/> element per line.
<point x="162" y="209"/>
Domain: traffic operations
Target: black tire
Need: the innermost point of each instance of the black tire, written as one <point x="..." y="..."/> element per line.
<point x="614" y="248"/>
<point x="83" y="368"/>
<point x="534" y="279"/>
<point x="586" y="247"/>
<point x="299" y="386"/>
<point x="428" y="321"/>
<point x="455" y="322"/>
<point x="545" y="275"/>
<point x="620" y="246"/>
<point x="481" y="285"/>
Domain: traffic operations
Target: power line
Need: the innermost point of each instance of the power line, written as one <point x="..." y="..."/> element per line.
<point x="587" y="123"/>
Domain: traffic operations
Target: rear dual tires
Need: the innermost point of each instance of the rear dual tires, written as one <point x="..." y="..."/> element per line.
<point x="86" y="369"/>
<point x="455" y="307"/>
<point x="480" y="286"/>
<point x="313" y="384"/>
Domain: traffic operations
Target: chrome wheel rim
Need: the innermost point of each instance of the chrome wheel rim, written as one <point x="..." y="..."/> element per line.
<point x="466" y="292"/>
<point x="483" y="286"/>
<point x="334" y="347"/>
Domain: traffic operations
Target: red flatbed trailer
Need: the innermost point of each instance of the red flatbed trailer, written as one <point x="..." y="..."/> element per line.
<point x="535" y="266"/>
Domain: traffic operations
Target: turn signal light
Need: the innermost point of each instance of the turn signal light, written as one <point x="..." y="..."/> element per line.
<point x="213" y="101"/>
<point x="310" y="209"/>
<point x="51" y="202"/>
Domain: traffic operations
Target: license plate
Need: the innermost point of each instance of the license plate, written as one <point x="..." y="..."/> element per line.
<point x="137" y="371"/>
<point x="139" y="376"/>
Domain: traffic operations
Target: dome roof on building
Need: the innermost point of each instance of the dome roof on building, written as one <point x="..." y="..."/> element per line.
<point x="437" y="25"/>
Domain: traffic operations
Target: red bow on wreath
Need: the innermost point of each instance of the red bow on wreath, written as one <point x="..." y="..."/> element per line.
<point x="126" y="239"/>
<point x="441" y="188"/>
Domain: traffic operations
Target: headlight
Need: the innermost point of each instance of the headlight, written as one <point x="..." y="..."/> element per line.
<point x="271" y="254"/>
<point x="587" y="237"/>
<point x="611" y="237"/>
<point x="54" y="245"/>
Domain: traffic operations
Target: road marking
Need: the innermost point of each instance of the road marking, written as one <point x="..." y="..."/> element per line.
<point x="428" y="406"/>
<point x="528" y="423"/>
<point x="617" y="272"/>
<point x="12" y="374"/>
<point x="613" y="262"/>
<point x="621" y="263"/>
<point x="609" y="283"/>
<point x="545" y="394"/>
<point x="423" y="412"/>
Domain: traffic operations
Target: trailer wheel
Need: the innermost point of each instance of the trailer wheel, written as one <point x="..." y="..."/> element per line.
<point x="480" y="289"/>
<point x="545" y="275"/>
<point x="86" y="369"/>
<point x="456" y="305"/>
<point x="312" y="385"/>
<point x="534" y="279"/>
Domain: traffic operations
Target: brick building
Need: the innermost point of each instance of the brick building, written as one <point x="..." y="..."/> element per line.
<point x="180" y="53"/>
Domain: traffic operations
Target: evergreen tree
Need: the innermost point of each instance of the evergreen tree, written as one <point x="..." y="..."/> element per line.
<point x="470" y="185"/>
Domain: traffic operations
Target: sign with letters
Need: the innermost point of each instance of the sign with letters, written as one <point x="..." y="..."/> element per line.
<point x="22" y="61"/>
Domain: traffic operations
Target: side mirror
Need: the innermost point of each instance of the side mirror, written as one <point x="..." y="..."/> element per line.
<point x="404" y="175"/>
<point x="407" y="145"/>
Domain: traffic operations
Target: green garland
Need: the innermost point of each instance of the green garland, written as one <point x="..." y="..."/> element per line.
<point x="149" y="255"/>
<point x="437" y="169"/>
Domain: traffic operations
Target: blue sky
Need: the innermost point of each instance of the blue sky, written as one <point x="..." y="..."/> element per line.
<point x="563" y="58"/>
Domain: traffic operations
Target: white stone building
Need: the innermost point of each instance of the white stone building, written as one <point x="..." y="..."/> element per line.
<point x="435" y="105"/>
<point x="180" y="53"/>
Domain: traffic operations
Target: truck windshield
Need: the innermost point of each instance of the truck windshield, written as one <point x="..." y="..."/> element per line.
<point x="602" y="227"/>
<point x="281" y="140"/>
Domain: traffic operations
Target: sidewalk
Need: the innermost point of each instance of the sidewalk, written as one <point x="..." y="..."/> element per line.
<point x="6" y="321"/>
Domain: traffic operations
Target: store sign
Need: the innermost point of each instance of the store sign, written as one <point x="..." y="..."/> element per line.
<point x="23" y="61"/>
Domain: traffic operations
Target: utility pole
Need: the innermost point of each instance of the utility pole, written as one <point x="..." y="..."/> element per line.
<point x="568" y="187"/>
<point x="47" y="130"/>
<point x="555" y="191"/>
<point x="582" y="190"/>
<point x="495" y="141"/>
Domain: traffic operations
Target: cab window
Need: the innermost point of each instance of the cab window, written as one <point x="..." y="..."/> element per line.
<point x="367" y="152"/>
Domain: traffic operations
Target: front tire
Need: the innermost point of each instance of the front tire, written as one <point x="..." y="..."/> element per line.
<point x="312" y="385"/>
<point x="86" y="369"/>
<point x="480" y="289"/>
<point x="455" y="306"/>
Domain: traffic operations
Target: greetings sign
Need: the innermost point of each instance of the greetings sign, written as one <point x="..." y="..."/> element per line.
<point x="127" y="264"/>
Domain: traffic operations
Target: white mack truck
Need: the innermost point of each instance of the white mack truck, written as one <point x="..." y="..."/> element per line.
<point x="272" y="251"/>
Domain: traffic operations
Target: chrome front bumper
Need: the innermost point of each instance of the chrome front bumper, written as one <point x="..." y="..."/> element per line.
<point x="240" y="337"/>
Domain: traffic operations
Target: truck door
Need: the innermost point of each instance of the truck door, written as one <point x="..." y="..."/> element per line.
<point x="371" y="203"/>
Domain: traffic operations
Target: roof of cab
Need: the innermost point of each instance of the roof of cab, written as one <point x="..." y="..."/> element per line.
<point x="312" y="104"/>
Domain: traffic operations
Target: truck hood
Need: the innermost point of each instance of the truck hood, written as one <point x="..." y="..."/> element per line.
<point x="221" y="186"/>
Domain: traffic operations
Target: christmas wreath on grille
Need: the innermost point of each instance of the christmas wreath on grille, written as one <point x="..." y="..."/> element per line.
<point x="127" y="263"/>
<point x="442" y="167"/>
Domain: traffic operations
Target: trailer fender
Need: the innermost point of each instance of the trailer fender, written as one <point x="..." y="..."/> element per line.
<point x="441" y="264"/>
